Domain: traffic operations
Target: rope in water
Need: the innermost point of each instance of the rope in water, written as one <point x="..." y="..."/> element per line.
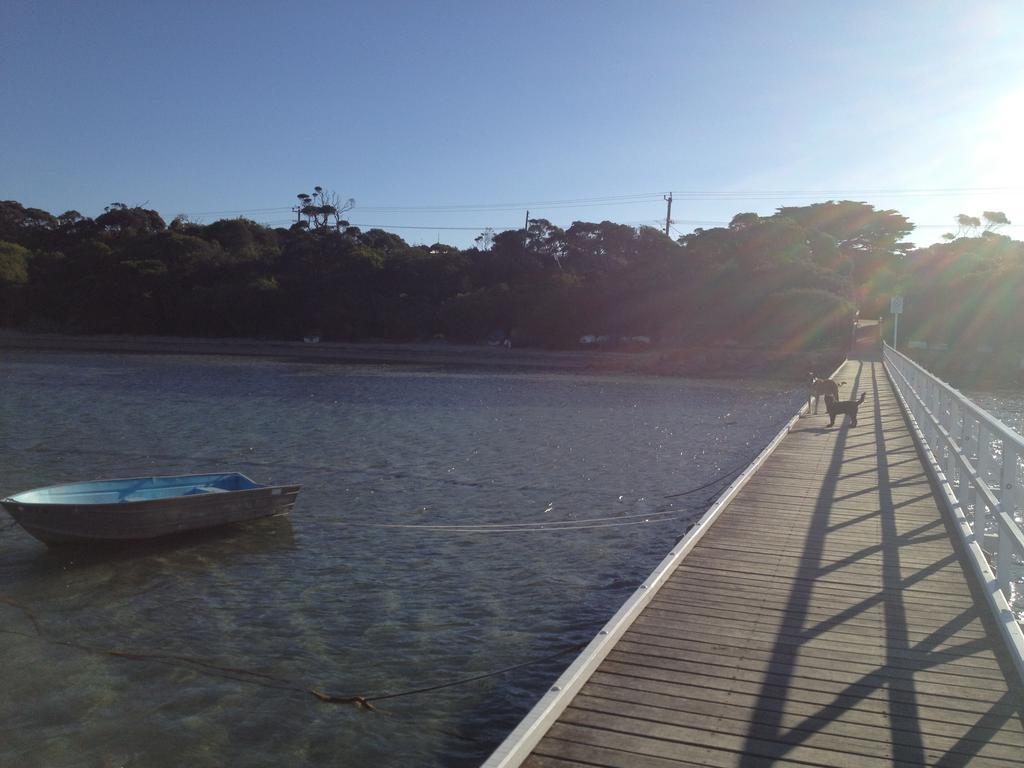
<point x="253" y="677"/>
<point x="262" y="679"/>
<point x="654" y="516"/>
<point x="660" y="514"/>
<point x="727" y="475"/>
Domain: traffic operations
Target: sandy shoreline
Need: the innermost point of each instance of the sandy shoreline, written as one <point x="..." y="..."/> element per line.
<point x="692" y="363"/>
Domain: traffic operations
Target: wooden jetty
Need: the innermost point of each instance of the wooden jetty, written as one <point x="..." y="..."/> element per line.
<point x="827" y="617"/>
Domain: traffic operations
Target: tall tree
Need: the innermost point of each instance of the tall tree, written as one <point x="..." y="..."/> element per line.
<point x="872" y="240"/>
<point x="324" y="209"/>
<point x="120" y="219"/>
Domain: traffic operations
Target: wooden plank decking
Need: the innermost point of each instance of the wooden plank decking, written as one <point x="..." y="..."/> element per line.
<point x="825" y="619"/>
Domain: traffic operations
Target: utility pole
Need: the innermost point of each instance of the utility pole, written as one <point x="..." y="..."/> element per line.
<point x="668" y="215"/>
<point x="526" y="229"/>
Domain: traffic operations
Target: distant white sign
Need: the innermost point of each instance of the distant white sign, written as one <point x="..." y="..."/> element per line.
<point x="896" y="305"/>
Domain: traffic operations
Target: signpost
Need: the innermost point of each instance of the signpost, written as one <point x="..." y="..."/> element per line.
<point x="896" y="308"/>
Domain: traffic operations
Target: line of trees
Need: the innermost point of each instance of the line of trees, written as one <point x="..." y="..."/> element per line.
<point x="788" y="280"/>
<point x="967" y="293"/>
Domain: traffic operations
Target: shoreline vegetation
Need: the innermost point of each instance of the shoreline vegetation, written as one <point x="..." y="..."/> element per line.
<point x="727" y="361"/>
<point x="773" y="296"/>
<point x="981" y="370"/>
<point x="984" y="371"/>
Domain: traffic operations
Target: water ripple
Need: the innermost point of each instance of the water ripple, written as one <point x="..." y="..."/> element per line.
<point x="450" y="524"/>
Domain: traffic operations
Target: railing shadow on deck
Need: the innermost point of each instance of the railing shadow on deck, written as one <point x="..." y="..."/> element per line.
<point x="906" y="653"/>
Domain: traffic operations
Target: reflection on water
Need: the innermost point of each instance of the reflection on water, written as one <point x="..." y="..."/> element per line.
<point x="1007" y="406"/>
<point x="450" y="524"/>
<point x="265" y="535"/>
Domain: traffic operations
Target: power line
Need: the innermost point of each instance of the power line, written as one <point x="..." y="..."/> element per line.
<point x="649" y="197"/>
<point x="952" y="225"/>
<point x="497" y="207"/>
<point x="429" y="226"/>
<point x="645" y="222"/>
<point x="644" y="198"/>
<point x="908" y="191"/>
<point x="689" y="194"/>
<point x="241" y="210"/>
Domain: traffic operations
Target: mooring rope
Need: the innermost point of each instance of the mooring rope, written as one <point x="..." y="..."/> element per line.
<point x="526" y="524"/>
<point x="727" y="475"/>
<point x="465" y="680"/>
<point x="657" y="515"/>
<point x="262" y="679"/>
<point x="654" y="516"/>
<point x="252" y="677"/>
<point x="660" y="514"/>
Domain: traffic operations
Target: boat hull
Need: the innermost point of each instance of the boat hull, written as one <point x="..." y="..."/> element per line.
<point x="64" y="523"/>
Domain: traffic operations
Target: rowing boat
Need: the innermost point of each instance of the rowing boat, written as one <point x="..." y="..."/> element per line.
<point x="144" y="507"/>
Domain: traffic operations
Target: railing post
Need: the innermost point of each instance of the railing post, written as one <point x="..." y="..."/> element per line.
<point x="966" y="436"/>
<point x="980" y="505"/>
<point x="1009" y="480"/>
<point x="952" y="464"/>
<point x="921" y="401"/>
<point x="985" y="454"/>
<point x="942" y="450"/>
<point x="1004" y="561"/>
<point x="933" y="424"/>
<point x="925" y="417"/>
<point x="947" y="424"/>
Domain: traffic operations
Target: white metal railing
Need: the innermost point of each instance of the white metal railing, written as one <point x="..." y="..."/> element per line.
<point x="978" y="462"/>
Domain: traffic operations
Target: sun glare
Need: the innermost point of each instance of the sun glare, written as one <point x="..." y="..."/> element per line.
<point x="998" y="151"/>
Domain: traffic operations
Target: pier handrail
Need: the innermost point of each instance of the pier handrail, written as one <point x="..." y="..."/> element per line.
<point x="976" y="461"/>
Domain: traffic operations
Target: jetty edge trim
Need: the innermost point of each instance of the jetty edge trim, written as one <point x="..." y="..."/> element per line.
<point x="1002" y="614"/>
<point x="518" y="745"/>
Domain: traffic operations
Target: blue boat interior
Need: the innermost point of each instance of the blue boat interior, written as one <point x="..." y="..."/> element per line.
<point x="136" y="489"/>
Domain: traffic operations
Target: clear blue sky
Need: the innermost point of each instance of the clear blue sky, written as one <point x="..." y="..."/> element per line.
<point x="465" y="114"/>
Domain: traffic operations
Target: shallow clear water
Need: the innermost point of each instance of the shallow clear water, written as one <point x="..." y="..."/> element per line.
<point x="363" y="590"/>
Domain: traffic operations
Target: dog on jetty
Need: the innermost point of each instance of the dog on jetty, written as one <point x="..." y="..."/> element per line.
<point x="821" y="387"/>
<point x="836" y="407"/>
